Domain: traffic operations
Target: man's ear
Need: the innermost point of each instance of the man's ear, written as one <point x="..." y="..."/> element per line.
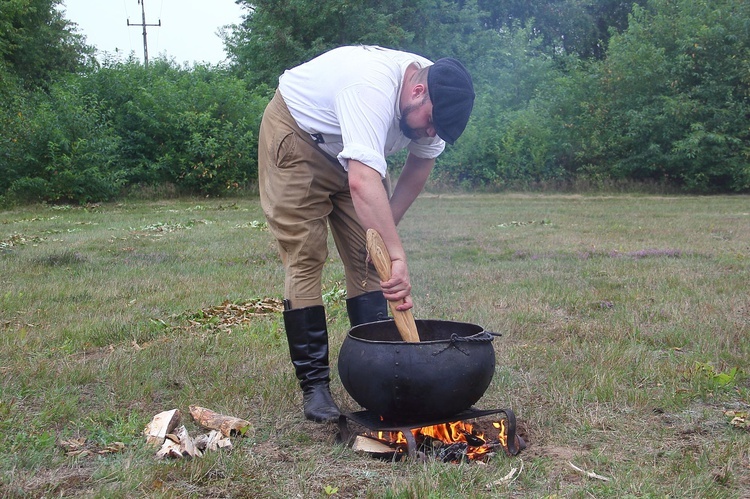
<point x="418" y="91"/>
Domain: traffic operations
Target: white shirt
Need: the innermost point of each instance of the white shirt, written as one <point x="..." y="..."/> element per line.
<point x="350" y="95"/>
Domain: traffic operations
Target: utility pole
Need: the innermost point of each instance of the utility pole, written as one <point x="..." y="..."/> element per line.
<point x="143" y="23"/>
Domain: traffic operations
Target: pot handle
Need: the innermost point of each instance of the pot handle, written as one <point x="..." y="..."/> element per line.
<point x="478" y="337"/>
<point x="481" y="337"/>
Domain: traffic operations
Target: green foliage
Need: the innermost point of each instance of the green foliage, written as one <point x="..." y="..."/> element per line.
<point x="673" y="100"/>
<point x="573" y="27"/>
<point x="125" y="124"/>
<point x="276" y="35"/>
<point x="193" y="127"/>
<point x="709" y="380"/>
<point x="509" y="141"/>
<point x="61" y="148"/>
<point x="37" y="43"/>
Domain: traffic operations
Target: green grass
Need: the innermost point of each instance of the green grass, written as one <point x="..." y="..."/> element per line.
<point x="625" y="323"/>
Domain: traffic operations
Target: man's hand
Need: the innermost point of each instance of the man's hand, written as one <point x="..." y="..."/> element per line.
<point x="398" y="287"/>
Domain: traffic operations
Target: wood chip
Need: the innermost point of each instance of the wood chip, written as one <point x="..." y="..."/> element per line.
<point x="511" y="477"/>
<point x="229" y="314"/>
<point x="224" y="443"/>
<point x="112" y="448"/>
<point x="212" y="441"/>
<point x="589" y="474"/>
<point x="75" y="447"/>
<point x="79" y="447"/>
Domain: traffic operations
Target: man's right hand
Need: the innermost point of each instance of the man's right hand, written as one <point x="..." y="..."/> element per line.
<point x="398" y="287"/>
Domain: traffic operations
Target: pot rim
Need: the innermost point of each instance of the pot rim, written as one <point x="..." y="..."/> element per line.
<point x="368" y="325"/>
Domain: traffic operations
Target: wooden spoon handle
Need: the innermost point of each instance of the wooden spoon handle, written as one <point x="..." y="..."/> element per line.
<point x="407" y="328"/>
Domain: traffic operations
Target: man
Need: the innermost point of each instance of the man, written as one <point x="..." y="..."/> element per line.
<point x="322" y="146"/>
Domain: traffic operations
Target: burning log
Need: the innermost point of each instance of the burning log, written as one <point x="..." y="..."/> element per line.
<point x="456" y="441"/>
<point x="162" y="424"/>
<point x="453" y="453"/>
<point x="473" y="439"/>
<point x="227" y="425"/>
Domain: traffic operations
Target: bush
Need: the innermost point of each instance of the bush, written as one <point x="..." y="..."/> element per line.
<point x="122" y="125"/>
<point x="673" y="98"/>
<point x="193" y="127"/>
<point x="69" y="151"/>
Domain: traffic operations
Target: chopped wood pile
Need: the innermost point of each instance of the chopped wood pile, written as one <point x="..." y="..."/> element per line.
<point x="176" y="442"/>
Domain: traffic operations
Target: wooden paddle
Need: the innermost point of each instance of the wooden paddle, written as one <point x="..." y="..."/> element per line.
<point x="382" y="261"/>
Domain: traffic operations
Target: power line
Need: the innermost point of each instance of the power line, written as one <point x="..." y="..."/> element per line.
<point x="143" y="24"/>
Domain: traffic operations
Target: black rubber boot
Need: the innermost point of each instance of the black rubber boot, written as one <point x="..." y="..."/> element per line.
<point x="369" y="307"/>
<point x="307" y="335"/>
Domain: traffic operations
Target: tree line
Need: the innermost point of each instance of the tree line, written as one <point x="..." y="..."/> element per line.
<point x="568" y="92"/>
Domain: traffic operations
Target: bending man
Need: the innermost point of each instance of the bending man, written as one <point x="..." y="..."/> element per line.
<point x="322" y="146"/>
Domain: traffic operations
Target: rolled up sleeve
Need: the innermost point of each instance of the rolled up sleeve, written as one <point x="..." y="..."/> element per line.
<point x="364" y="155"/>
<point x="364" y="113"/>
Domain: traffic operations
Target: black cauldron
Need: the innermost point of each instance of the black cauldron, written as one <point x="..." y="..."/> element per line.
<point x="445" y="373"/>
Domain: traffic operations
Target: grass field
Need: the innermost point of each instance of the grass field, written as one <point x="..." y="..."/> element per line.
<point x="625" y="349"/>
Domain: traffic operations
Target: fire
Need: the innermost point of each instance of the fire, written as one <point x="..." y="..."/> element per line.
<point x="449" y="434"/>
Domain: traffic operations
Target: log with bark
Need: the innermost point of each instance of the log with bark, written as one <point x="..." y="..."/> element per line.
<point x="227" y="425"/>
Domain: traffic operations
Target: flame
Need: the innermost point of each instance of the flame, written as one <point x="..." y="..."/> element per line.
<point x="451" y="433"/>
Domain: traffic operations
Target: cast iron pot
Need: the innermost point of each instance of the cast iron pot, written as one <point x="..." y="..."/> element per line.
<point x="445" y="373"/>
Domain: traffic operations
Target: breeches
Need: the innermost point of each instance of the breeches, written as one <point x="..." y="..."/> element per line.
<point x="302" y="191"/>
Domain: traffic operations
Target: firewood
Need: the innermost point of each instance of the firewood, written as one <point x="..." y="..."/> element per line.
<point x="203" y="441"/>
<point x="212" y="441"/>
<point x="227" y="425"/>
<point x="169" y="449"/>
<point x="367" y="444"/>
<point x="187" y="447"/>
<point x="162" y="424"/>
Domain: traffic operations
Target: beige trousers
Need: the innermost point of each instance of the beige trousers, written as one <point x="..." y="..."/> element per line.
<point x="302" y="191"/>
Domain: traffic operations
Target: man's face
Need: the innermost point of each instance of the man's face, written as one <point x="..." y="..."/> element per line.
<point x="416" y="120"/>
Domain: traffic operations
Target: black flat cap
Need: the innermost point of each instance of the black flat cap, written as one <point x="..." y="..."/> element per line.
<point x="452" y="95"/>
